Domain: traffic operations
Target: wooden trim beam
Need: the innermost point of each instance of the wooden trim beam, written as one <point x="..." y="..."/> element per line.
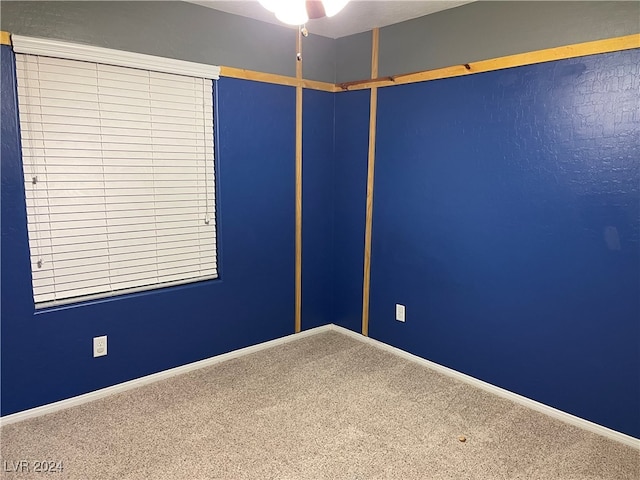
<point x="529" y="58"/>
<point x="375" y="44"/>
<point x="606" y="45"/>
<point x="317" y="85"/>
<point x="373" y="111"/>
<point x="551" y="54"/>
<point x="298" y="278"/>
<point x="244" y="74"/>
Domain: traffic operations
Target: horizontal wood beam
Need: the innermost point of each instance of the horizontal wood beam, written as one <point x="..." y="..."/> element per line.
<point x="606" y="45"/>
<point x="244" y="74"/>
<point x="529" y="58"/>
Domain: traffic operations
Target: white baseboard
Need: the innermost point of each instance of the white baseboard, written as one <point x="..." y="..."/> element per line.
<point x="138" y="382"/>
<point x="501" y="392"/>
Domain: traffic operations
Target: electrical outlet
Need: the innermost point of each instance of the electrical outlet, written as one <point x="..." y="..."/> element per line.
<point x="400" y="311"/>
<point x="100" y="346"/>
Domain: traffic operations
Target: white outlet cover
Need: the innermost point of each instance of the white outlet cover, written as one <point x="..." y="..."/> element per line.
<point x="400" y="312"/>
<point x="100" y="346"/>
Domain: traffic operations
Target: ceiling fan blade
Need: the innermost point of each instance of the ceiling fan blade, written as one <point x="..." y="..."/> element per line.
<point x="315" y="9"/>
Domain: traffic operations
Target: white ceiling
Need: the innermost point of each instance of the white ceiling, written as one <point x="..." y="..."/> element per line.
<point x="358" y="16"/>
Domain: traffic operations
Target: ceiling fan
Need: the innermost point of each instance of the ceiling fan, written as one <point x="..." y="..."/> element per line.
<point x="299" y="12"/>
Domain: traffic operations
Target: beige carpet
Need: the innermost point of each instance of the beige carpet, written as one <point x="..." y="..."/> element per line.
<point x="323" y="407"/>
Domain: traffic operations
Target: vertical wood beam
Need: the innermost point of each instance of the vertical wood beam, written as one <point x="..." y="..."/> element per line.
<point x="375" y="40"/>
<point x="298" y="280"/>
<point x="373" y="110"/>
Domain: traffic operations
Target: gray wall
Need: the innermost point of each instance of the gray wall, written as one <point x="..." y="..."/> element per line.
<point x="353" y="57"/>
<point x="318" y="58"/>
<point x="483" y="30"/>
<point x="468" y="33"/>
<point x="173" y="29"/>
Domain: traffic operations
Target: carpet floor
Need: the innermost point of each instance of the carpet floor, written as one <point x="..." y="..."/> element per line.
<point x="323" y="407"/>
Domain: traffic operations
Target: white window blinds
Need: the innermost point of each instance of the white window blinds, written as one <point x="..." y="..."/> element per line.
<point x="119" y="177"/>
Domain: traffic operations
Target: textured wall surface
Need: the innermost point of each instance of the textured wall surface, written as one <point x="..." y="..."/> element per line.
<point x="506" y="211"/>
<point x="172" y="29"/>
<point x="483" y="30"/>
<point x="506" y="219"/>
<point x="349" y="190"/>
<point x="319" y="58"/>
<point x="47" y="356"/>
<point x="317" y="208"/>
<point x="353" y="57"/>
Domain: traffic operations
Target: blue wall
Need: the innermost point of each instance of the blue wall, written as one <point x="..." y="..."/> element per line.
<point x="47" y="356"/>
<point x="350" y="190"/>
<point x="317" y="208"/>
<point x="506" y="219"/>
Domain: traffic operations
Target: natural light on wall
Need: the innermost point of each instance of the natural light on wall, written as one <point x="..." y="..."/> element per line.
<point x="298" y="12"/>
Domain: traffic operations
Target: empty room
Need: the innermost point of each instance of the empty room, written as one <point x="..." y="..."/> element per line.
<point x="320" y="240"/>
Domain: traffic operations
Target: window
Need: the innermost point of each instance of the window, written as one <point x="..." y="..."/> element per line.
<point x="119" y="170"/>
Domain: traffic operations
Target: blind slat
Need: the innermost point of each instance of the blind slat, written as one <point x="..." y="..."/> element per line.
<point x="125" y="177"/>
